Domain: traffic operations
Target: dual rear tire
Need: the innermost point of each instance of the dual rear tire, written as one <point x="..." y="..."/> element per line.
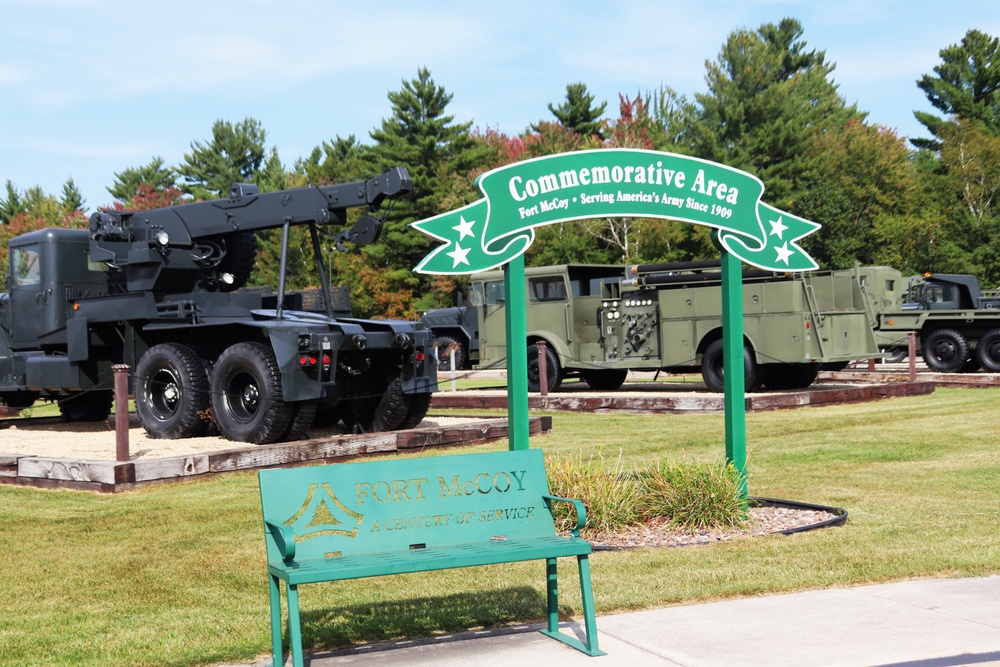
<point x="181" y="395"/>
<point x="177" y="397"/>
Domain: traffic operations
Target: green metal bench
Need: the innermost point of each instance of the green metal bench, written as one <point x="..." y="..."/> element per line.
<point x="374" y="518"/>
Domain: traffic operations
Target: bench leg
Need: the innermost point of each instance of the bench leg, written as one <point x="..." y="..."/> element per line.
<point x="589" y="618"/>
<point x="276" y="655"/>
<point x="589" y="621"/>
<point x="552" y="593"/>
<point x="295" y="627"/>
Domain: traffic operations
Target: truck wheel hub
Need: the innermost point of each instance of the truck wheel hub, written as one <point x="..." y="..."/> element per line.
<point x="250" y="396"/>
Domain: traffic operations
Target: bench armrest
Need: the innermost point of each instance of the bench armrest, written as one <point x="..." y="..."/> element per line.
<point x="581" y="511"/>
<point x="283" y="537"/>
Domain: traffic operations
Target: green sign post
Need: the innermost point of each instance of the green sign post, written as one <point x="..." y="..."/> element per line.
<point x="497" y="229"/>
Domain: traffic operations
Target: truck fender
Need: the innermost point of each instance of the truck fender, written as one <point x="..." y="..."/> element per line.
<point x="716" y="334"/>
<point x="553" y="340"/>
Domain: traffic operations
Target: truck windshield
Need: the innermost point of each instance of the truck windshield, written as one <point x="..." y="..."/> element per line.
<point x="26" y="267"/>
<point x="476" y="295"/>
<point x="494" y="293"/>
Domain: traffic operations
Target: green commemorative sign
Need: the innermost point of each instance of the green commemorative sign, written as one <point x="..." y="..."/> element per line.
<point x="613" y="183"/>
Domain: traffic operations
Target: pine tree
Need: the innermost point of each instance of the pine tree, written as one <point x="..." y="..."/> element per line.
<point x="577" y="112"/>
<point x="768" y="97"/>
<point x="967" y="86"/>
<point x="236" y="154"/>
<point x="12" y="205"/>
<point x="128" y="183"/>
<point x="334" y="161"/>
<point x="422" y="137"/>
<point x="72" y="198"/>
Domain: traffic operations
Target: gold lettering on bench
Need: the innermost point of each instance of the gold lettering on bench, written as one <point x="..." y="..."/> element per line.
<point x="385" y="491"/>
<point x="321" y="517"/>
<point x="482" y="483"/>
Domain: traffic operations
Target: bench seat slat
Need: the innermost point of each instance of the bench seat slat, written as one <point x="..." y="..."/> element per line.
<point x="432" y="558"/>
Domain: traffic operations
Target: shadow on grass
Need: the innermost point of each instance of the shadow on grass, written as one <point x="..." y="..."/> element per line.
<point x="426" y="617"/>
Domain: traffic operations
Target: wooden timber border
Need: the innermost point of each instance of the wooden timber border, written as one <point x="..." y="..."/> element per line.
<point x="647" y="398"/>
<point x="892" y="373"/>
<point x="113" y="476"/>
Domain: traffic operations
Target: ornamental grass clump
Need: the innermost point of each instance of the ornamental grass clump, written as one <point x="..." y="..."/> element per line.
<point x="690" y="496"/>
<point x="693" y="496"/>
<point x="611" y="495"/>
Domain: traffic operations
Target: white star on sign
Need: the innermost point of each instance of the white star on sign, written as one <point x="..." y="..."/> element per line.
<point x="784" y="253"/>
<point x="777" y="227"/>
<point x="464" y="227"/>
<point x="459" y="255"/>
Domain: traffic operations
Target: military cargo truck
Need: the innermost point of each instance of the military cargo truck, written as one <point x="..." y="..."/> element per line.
<point x="599" y="324"/>
<point x="160" y="292"/>
<point x="956" y="323"/>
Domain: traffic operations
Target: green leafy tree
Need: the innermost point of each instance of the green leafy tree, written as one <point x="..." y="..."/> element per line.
<point x="860" y="180"/>
<point x="970" y="157"/>
<point x="966" y="86"/>
<point x="129" y="183"/>
<point x="235" y="154"/>
<point x="578" y="113"/>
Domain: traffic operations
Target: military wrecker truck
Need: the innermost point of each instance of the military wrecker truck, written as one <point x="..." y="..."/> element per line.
<point x="598" y="324"/>
<point x="159" y="291"/>
<point x="956" y="323"/>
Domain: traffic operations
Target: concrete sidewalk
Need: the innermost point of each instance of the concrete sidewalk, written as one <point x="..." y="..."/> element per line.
<point x="931" y="623"/>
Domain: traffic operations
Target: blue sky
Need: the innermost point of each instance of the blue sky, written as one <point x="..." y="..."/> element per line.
<point x="89" y="88"/>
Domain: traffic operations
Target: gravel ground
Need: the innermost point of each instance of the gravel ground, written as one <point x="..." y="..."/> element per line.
<point x="763" y="521"/>
<point x="96" y="440"/>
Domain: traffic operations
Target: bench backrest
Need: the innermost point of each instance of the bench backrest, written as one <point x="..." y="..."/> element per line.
<point x="384" y="505"/>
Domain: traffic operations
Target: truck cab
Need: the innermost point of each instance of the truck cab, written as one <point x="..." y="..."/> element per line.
<point x="945" y="291"/>
<point x="564" y="312"/>
<point x="48" y="269"/>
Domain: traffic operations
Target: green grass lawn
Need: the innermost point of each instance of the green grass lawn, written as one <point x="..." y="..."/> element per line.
<point x="174" y="574"/>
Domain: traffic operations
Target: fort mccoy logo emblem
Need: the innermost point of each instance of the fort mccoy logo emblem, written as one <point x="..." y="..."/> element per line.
<point x="609" y="183"/>
<point x="317" y="516"/>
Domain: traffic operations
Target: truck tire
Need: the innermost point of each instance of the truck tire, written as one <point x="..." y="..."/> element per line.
<point x="172" y="392"/>
<point x="377" y="412"/>
<point x="712" y="368"/>
<point x="19" y="399"/>
<point x="241" y="255"/>
<point x="441" y="344"/>
<point x="895" y="354"/>
<point x="945" y="350"/>
<point x="418" y="404"/>
<point x="791" y="376"/>
<point x="553" y="371"/>
<point x="988" y="351"/>
<point x="247" y="399"/>
<point x="87" y="406"/>
<point x="303" y="416"/>
<point x="605" y="379"/>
